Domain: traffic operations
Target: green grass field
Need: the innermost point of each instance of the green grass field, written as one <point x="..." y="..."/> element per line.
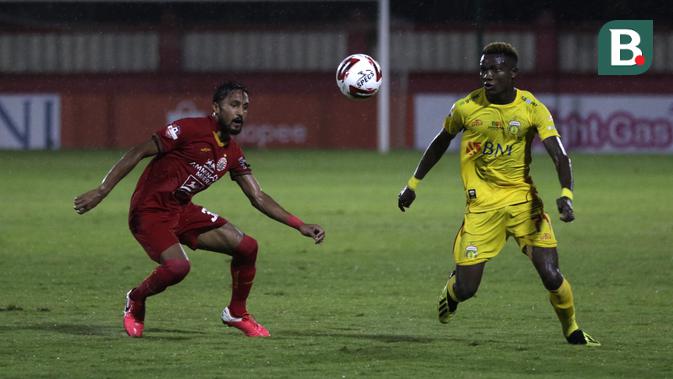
<point x="360" y="305"/>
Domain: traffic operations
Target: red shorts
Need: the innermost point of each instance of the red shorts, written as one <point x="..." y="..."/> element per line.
<point x="157" y="231"/>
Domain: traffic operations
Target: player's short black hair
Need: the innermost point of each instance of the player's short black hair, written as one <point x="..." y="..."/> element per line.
<point x="503" y="48"/>
<point x="225" y="88"/>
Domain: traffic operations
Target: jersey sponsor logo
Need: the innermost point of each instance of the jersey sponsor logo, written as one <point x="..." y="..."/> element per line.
<point x="243" y="163"/>
<point x="472" y="148"/>
<point x="496" y="149"/>
<point x="191" y="185"/>
<point x="496" y="125"/>
<point x="528" y="101"/>
<point x="475" y="123"/>
<point x="205" y="149"/>
<point x="173" y="131"/>
<point x="487" y="148"/>
<point x="205" y="172"/>
<point x="221" y="163"/>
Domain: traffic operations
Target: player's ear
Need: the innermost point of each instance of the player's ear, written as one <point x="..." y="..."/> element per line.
<point x="515" y="72"/>
<point x="216" y="107"/>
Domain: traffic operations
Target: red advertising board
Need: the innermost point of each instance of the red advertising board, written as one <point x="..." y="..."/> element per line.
<point x="274" y="121"/>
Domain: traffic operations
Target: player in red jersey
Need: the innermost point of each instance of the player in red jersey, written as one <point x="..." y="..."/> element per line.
<point x="190" y="155"/>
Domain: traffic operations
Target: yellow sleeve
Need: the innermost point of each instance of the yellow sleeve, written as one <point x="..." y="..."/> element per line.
<point x="544" y="122"/>
<point x="453" y="123"/>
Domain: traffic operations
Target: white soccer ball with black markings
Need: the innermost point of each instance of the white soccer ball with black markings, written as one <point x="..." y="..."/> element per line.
<point x="359" y="76"/>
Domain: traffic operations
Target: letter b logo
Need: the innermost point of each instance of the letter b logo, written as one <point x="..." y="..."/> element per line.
<point x="625" y="47"/>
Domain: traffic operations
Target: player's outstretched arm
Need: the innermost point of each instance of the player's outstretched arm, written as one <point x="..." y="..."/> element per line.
<point x="90" y="199"/>
<point x="564" y="170"/>
<point x="431" y="156"/>
<point x="267" y="205"/>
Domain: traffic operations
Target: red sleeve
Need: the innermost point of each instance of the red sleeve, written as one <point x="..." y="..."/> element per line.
<point x="173" y="135"/>
<point x="240" y="166"/>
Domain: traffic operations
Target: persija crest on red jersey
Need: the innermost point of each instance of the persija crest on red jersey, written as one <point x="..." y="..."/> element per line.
<point x="222" y="163"/>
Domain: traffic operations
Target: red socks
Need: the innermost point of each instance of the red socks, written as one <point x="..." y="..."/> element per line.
<point x="172" y="271"/>
<point x="242" y="275"/>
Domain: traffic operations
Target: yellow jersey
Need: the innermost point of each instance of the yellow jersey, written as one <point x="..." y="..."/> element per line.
<point x="495" y="150"/>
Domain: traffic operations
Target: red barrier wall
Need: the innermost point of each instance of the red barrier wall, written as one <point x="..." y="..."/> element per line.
<point x="124" y="110"/>
<point x="121" y="120"/>
<point x="99" y="111"/>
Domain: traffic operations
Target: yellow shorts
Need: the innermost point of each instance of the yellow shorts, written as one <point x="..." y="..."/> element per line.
<point x="483" y="234"/>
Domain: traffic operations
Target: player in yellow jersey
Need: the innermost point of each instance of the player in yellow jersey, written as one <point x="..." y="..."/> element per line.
<point x="499" y="122"/>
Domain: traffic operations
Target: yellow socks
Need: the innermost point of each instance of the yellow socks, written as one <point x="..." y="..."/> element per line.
<point x="562" y="301"/>
<point x="449" y="287"/>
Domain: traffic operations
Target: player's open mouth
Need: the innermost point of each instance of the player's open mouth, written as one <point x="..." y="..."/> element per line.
<point x="488" y="86"/>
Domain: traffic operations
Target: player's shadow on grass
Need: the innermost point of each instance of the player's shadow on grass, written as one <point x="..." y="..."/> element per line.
<point x="389" y="338"/>
<point x="105" y="330"/>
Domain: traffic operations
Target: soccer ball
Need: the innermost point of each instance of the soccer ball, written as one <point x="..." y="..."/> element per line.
<point x="359" y="76"/>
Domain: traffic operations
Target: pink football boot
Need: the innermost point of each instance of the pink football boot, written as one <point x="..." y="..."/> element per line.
<point x="246" y="324"/>
<point x="134" y="317"/>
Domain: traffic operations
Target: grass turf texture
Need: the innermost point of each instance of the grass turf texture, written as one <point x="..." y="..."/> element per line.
<point x="362" y="304"/>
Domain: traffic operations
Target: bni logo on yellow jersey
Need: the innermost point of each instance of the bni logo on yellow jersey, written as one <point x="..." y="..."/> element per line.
<point x="625" y="47"/>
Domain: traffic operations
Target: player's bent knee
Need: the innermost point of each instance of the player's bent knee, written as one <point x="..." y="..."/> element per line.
<point x="552" y="280"/>
<point x="465" y="291"/>
<point x="178" y="269"/>
<point x="246" y="251"/>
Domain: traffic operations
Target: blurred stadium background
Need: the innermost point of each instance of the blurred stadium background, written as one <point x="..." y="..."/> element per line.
<point x="96" y="74"/>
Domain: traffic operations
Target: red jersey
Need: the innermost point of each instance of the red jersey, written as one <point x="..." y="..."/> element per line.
<point x="191" y="158"/>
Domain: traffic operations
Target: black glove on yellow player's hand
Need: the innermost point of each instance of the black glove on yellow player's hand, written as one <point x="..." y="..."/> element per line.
<point x="405" y="198"/>
<point x="565" y="208"/>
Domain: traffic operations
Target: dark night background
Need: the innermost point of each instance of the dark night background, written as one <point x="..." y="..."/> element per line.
<point x="51" y="14"/>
